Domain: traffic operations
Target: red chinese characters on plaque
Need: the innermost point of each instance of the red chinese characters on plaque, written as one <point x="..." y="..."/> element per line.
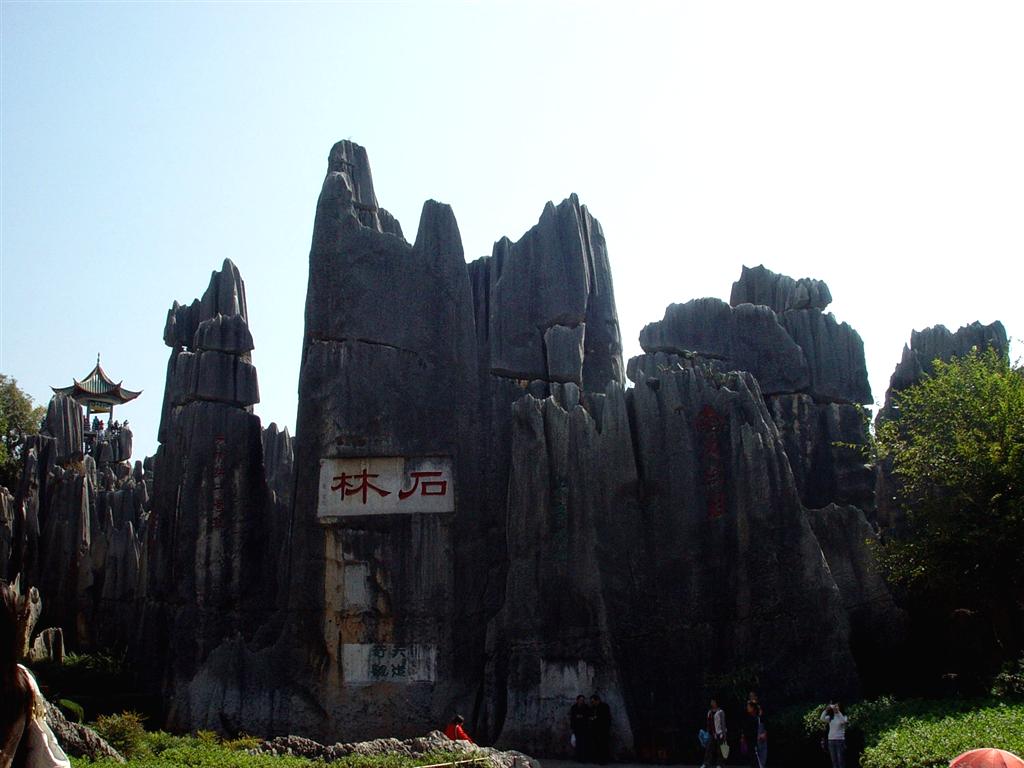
<point x="385" y="485"/>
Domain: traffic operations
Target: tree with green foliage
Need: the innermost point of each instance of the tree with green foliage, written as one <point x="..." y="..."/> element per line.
<point x="957" y="452"/>
<point x="18" y="418"/>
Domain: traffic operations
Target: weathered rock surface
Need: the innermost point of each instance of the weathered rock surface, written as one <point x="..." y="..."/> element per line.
<point x="64" y="424"/>
<point x="7" y="523"/>
<point x="416" y="747"/>
<point x="79" y="740"/>
<point x="380" y="310"/>
<point x="758" y="285"/>
<point x="551" y="639"/>
<point x="515" y="307"/>
<point x="805" y="363"/>
<point x="827" y="446"/>
<point x="727" y="572"/>
<point x="48" y="645"/>
<point x="564" y="348"/>
<point x="745" y="338"/>
<point x="224" y="334"/>
<point x="834" y="353"/>
<point x="208" y="595"/>
<point x="211" y="346"/>
<point x="878" y="628"/>
<point x="938" y="343"/>
<point x="224" y="296"/>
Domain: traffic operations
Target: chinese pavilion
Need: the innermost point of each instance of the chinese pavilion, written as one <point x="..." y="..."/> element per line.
<point x="97" y="392"/>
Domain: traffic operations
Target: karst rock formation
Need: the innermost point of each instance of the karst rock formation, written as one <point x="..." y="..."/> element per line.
<point x="566" y="523"/>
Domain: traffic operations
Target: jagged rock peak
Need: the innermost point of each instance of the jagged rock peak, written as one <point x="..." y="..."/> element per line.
<point x="759" y="285"/>
<point x="225" y="295"/>
<point x="556" y="274"/>
<point x="351" y="164"/>
<point x="64" y="423"/>
<point x="939" y="343"/>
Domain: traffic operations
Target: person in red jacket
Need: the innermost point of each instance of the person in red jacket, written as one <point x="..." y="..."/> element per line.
<point x="455" y="731"/>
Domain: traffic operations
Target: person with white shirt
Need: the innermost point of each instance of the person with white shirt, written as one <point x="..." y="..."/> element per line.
<point x="715" y="725"/>
<point x="833" y="715"/>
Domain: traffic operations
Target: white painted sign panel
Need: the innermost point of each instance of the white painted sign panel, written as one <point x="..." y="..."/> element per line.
<point x="366" y="663"/>
<point x="385" y="485"/>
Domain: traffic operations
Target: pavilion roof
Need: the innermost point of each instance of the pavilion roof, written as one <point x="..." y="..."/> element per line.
<point x="97" y="387"/>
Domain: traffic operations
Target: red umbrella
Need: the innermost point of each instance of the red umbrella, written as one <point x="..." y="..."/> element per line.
<point x="987" y="758"/>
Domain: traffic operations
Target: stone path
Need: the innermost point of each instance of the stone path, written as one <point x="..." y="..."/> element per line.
<point x="572" y="764"/>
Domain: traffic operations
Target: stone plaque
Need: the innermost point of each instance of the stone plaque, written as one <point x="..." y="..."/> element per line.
<point x="385" y="485"/>
<point x="366" y="663"/>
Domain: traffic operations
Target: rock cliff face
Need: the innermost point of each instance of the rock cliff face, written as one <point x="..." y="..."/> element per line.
<point x="209" y="596"/>
<point x="731" y="580"/>
<point x="583" y="512"/>
<point x="388" y="369"/>
<point x="477" y="514"/>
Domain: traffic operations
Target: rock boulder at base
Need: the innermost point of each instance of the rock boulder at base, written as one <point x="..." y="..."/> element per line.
<point x="79" y="740"/>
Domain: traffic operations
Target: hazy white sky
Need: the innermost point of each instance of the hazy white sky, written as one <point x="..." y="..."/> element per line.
<point x="875" y="145"/>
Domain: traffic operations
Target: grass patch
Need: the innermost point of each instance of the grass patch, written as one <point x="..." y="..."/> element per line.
<point x="928" y="740"/>
<point x="910" y="733"/>
<point x="158" y="749"/>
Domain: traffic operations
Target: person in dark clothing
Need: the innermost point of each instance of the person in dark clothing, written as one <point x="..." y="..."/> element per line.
<point x="579" y="717"/>
<point x="754" y="736"/>
<point x="600" y="731"/>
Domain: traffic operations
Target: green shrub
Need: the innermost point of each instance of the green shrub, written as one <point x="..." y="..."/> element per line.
<point x="242" y="743"/>
<point x="1010" y="681"/>
<point x="930" y="741"/>
<point x="160" y="741"/>
<point x="124" y="732"/>
<point x="101" y="663"/>
<point x="72" y="710"/>
<point x="206" y="750"/>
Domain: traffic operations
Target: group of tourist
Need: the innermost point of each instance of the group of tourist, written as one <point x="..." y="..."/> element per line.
<point x="100" y="428"/>
<point x="714" y="736"/>
<point x="100" y="432"/>
<point x="590" y="725"/>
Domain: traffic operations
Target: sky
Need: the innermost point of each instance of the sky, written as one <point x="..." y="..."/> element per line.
<point x="875" y="145"/>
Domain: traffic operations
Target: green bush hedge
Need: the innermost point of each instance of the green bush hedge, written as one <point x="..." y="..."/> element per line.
<point x="205" y="749"/>
<point x="929" y="741"/>
<point x="912" y="733"/>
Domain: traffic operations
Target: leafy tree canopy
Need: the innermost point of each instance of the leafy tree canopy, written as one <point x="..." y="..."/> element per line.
<point x="18" y="417"/>
<point x="957" y="451"/>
